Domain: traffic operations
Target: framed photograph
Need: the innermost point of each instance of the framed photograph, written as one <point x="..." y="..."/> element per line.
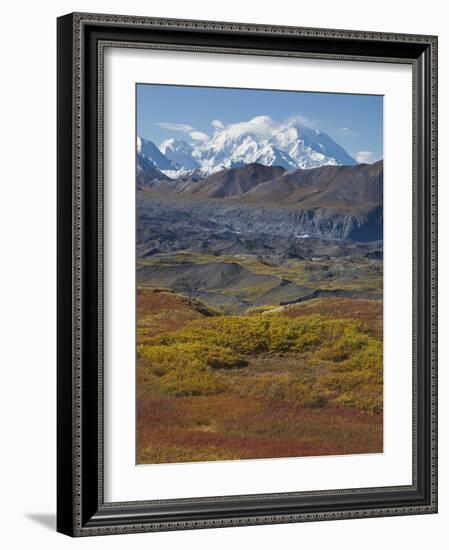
<point x="246" y="274"/>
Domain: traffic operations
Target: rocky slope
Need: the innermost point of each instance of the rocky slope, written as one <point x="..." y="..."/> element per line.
<point x="246" y="219"/>
<point x="234" y="182"/>
<point x="332" y="202"/>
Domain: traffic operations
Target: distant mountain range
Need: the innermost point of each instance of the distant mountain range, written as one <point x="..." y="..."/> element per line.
<point x="335" y="187"/>
<point x="257" y="178"/>
<point x="329" y="202"/>
<point x="260" y="140"/>
<point x="233" y="182"/>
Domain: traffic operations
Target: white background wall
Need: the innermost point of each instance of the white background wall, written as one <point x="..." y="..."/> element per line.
<point x="27" y="273"/>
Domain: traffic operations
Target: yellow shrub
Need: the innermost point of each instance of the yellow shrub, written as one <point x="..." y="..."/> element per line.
<point x="193" y="379"/>
<point x="188" y="361"/>
<point x="266" y="386"/>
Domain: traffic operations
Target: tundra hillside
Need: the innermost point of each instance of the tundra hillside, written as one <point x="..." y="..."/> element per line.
<point x="259" y="311"/>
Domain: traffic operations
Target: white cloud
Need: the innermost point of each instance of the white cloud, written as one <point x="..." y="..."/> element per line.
<point x="365" y="157"/>
<point x="217" y="124"/>
<point x="302" y="120"/>
<point x="185" y="129"/>
<point x="262" y="126"/>
<point x="175" y="127"/>
<point x="198" y="136"/>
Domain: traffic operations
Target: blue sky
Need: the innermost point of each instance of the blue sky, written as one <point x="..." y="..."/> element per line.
<point x="192" y="113"/>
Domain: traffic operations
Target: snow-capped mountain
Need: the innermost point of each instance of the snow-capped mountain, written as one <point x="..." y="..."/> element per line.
<point x="260" y="140"/>
<point x="310" y="148"/>
<point x="147" y="152"/>
<point x="180" y="153"/>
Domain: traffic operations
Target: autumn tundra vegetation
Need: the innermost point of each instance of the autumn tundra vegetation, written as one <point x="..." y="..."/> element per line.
<point x="299" y="380"/>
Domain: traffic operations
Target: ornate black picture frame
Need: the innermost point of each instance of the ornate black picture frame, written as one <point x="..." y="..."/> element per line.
<point x="81" y="509"/>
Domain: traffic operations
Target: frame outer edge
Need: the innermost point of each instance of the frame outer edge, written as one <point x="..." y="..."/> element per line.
<point x="77" y="266"/>
<point x="233" y="26"/>
<point x="434" y="271"/>
<point x="75" y="527"/>
<point x="65" y="270"/>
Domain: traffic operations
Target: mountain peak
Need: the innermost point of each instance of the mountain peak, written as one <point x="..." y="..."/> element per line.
<point x="290" y="145"/>
<point x="150" y="152"/>
<point x="172" y="143"/>
<point x="180" y="153"/>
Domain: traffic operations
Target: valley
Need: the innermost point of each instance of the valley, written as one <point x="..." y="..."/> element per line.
<point x="259" y="321"/>
<point x="259" y="272"/>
